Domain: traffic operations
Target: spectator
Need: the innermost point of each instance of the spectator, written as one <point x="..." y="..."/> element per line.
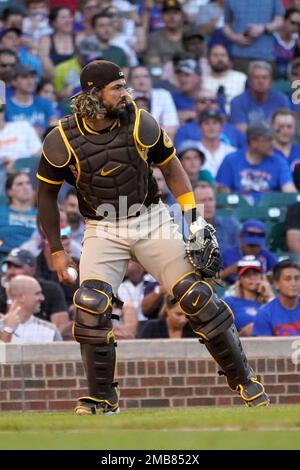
<point x="252" y="243"/>
<point x="227" y="228"/>
<point x="284" y="125"/>
<point x="222" y="77"/>
<point x="189" y="85"/>
<point x="250" y="291"/>
<point x="166" y="42"/>
<point x="258" y="102"/>
<point x="256" y="170"/>
<point x="192" y="158"/>
<point x="17" y="140"/>
<point x="285" y="42"/>
<point x="281" y="316"/>
<point x="292" y="228"/>
<point x="211" y="16"/>
<point x="8" y="60"/>
<point x="36" y="23"/>
<point x="54" y="307"/>
<point x="172" y="324"/>
<point x="87" y="9"/>
<point x="25" y="105"/>
<point x="60" y="45"/>
<point x="20" y="325"/>
<point x="211" y="125"/>
<point x="205" y="101"/>
<point x="249" y="25"/>
<point x="18" y="218"/>
<point x="74" y="218"/>
<point x="162" y="106"/>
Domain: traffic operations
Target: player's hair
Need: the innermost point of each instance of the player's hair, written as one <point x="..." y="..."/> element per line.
<point x="87" y="104"/>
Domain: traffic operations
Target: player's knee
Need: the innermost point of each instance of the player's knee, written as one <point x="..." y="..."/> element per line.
<point x="93" y="322"/>
<point x="208" y="315"/>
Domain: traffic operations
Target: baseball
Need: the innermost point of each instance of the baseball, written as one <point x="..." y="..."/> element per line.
<point x="72" y="273"/>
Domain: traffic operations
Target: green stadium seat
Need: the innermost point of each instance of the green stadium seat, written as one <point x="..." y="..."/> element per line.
<point x="277" y="199"/>
<point x="266" y="214"/>
<point x="281" y="255"/>
<point x="230" y="201"/>
<point x="28" y="165"/>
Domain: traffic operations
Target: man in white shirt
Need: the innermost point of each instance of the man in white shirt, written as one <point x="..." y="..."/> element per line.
<point x="19" y="324"/>
<point x="222" y="75"/>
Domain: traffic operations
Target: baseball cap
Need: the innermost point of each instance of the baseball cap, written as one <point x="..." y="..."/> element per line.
<point x="192" y="32"/>
<point x="210" y="114"/>
<point x="171" y="5"/>
<point x="260" y="129"/>
<point x="253" y="232"/>
<point x="248" y="262"/>
<point x="20" y="257"/>
<point x="187" y="66"/>
<point x="190" y="145"/>
<point x="99" y="73"/>
<point x="90" y="48"/>
<point x="23" y="70"/>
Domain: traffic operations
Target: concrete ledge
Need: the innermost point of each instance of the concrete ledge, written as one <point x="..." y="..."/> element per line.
<point x="145" y="349"/>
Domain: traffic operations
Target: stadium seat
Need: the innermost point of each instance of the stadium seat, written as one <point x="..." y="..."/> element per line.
<point x="28" y="165"/>
<point x="281" y="255"/>
<point x="266" y="214"/>
<point x="277" y="199"/>
<point x="230" y="201"/>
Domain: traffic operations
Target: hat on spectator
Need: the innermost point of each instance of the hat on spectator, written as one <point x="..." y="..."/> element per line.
<point x="248" y="262"/>
<point x="259" y="129"/>
<point x="210" y="114"/>
<point x="190" y="145"/>
<point x="89" y="47"/>
<point x="253" y="232"/>
<point x="171" y="5"/>
<point x="20" y="257"/>
<point x="23" y="70"/>
<point x="188" y="66"/>
<point x="5" y="31"/>
<point x="192" y="32"/>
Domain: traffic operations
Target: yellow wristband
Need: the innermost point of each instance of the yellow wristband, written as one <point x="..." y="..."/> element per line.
<point x="186" y="201"/>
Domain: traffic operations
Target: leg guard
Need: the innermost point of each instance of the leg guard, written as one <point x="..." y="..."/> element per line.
<point x="93" y="330"/>
<point x="212" y="320"/>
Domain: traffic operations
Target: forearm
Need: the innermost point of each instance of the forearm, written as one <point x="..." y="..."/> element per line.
<point x="48" y="214"/>
<point x="275" y="25"/>
<point x="228" y="32"/>
<point x="176" y="178"/>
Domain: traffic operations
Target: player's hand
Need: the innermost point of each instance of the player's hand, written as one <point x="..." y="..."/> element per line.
<point x="61" y="262"/>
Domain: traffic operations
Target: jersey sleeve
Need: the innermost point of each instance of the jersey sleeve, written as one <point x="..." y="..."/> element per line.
<point x="163" y="151"/>
<point x="49" y="173"/>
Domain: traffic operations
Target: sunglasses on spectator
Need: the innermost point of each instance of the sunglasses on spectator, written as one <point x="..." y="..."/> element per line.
<point x="2" y="108"/>
<point x="7" y="64"/>
<point x="255" y="234"/>
<point x="295" y="23"/>
<point x="206" y="100"/>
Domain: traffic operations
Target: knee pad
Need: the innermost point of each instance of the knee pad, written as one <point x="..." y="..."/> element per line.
<point x="93" y="318"/>
<point x="208" y="315"/>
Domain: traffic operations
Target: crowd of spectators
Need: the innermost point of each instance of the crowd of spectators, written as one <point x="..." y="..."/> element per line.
<point x="222" y="78"/>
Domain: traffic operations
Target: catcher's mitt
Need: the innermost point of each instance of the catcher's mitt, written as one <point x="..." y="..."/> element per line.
<point x="202" y="250"/>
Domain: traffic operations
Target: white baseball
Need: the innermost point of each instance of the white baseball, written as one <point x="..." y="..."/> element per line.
<point x="72" y="273"/>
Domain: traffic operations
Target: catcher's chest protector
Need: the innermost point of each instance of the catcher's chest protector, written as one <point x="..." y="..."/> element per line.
<point x="110" y="166"/>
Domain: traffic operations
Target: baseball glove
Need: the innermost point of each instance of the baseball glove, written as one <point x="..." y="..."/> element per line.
<point x="202" y="250"/>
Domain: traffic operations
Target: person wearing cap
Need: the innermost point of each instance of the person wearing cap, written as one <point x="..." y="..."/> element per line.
<point x="105" y="150"/>
<point x="256" y="170"/>
<point x="25" y="104"/>
<point x="20" y="325"/>
<point x="167" y="41"/>
<point x="192" y="158"/>
<point x="281" y="316"/>
<point x="53" y="308"/>
<point x="248" y="294"/>
<point x="259" y="101"/>
<point x="252" y="243"/>
<point x="205" y="101"/>
<point x="189" y="83"/>
<point x="211" y="126"/>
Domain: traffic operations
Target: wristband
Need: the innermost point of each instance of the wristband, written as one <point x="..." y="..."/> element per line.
<point x="187" y="201"/>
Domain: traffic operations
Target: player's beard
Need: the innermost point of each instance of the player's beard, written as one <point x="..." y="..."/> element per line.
<point x="116" y="113"/>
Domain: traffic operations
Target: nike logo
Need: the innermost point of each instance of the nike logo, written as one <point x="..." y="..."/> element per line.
<point x="108" y="172"/>
<point x="196" y="301"/>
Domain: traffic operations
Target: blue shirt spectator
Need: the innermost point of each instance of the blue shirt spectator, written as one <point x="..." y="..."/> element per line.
<point x="16" y="227"/>
<point x="294" y="156"/>
<point x="244" y="310"/>
<point x="228" y="230"/>
<point x="246" y="110"/>
<point x="273" y="319"/>
<point x="241" y="15"/>
<point x="230" y="135"/>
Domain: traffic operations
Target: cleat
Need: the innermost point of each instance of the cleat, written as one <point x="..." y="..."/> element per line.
<point x="89" y="406"/>
<point x="253" y="393"/>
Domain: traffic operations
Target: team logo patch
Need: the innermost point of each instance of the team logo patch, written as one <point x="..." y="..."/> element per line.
<point x="167" y="140"/>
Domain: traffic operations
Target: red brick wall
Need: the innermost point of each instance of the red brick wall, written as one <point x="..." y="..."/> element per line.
<point x="144" y="383"/>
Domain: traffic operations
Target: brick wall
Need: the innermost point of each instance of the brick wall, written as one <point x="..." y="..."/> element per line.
<point x="150" y="373"/>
